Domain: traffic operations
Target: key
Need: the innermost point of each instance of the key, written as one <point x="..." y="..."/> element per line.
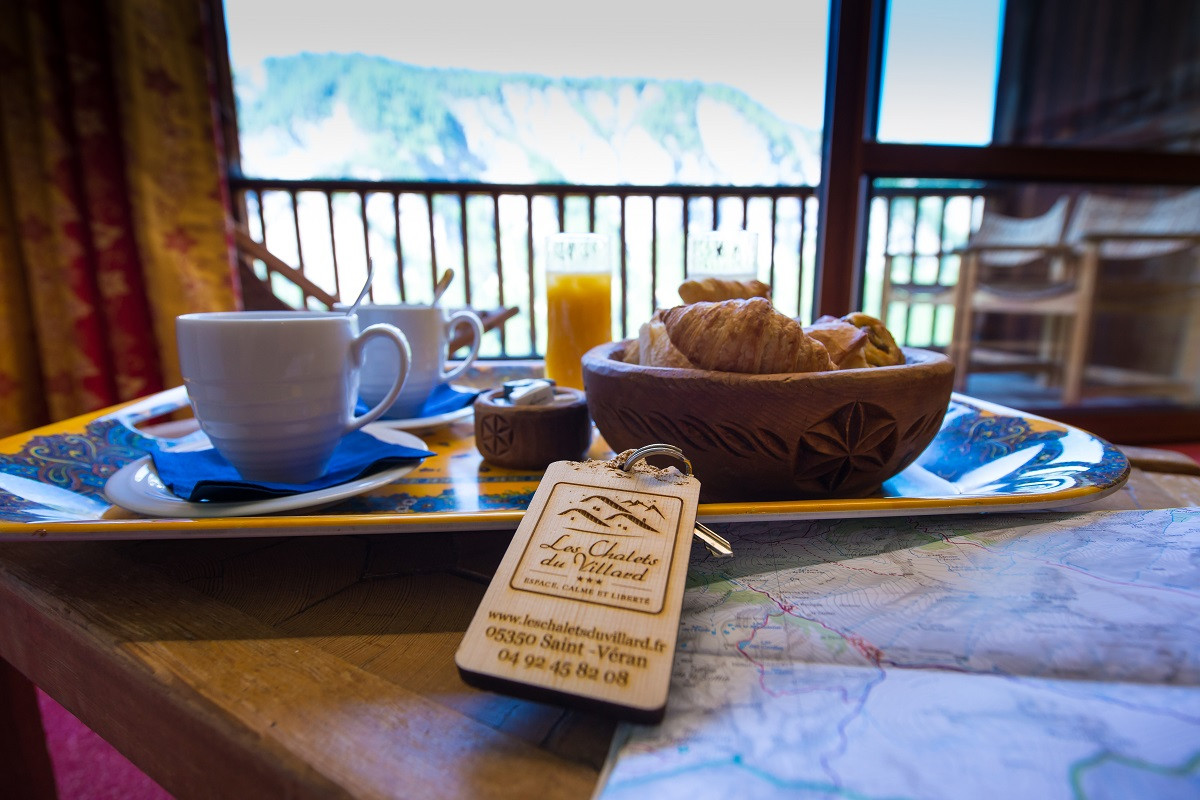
<point x="716" y="544"/>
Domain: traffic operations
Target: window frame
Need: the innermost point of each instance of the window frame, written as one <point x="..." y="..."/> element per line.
<point x="852" y="159"/>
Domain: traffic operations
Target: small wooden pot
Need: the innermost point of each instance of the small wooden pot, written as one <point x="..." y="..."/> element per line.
<point x="532" y="437"/>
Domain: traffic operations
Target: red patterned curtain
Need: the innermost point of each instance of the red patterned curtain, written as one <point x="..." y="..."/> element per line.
<point x="112" y="211"/>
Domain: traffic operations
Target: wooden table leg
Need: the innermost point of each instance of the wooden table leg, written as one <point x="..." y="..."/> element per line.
<point x="25" y="769"/>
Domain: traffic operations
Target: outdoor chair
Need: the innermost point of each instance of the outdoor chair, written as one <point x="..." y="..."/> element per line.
<point x="1050" y="266"/>
<point x="257" y="294"/>
<point x="1021" y="266"/>
<point x="257" y="291"/>
<point x="1144" y="254"/>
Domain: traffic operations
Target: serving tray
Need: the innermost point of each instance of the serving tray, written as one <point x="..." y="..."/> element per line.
<point x="985" y="458"/>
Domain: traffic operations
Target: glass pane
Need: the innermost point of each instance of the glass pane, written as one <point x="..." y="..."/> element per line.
<point x="939" y="71"/>
<point x="1036" y="246"/>
<point x="1106" y="73"/>
<point x="523" y="92"/>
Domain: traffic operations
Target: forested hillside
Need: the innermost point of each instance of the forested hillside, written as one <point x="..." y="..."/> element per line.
<point x="369" y="117"/>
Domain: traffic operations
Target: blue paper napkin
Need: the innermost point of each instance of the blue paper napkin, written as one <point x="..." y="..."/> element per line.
<point x="444" y="398"/>
<point x="205" y="475"/>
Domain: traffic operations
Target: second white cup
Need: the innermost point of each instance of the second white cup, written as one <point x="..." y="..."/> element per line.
<point x="428" y="330"/>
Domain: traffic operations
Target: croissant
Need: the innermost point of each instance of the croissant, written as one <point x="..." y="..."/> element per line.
<point x="743" y="336"/>
<point x="654" y="346"/>
<point x="846" y="343"/>
<point x="716" y="289"/>
<point x="881" y="349"/>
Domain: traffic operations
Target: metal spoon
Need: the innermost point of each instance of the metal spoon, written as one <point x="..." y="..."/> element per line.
<point x="442" y="284"/>
<point x="366" y="287"/>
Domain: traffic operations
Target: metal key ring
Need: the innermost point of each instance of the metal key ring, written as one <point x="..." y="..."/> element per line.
<point x="643" y="453"/>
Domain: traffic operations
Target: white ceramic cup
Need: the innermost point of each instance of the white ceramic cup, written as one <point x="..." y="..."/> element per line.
<point x="275" y="390"/>
<point x="428" y="330"/>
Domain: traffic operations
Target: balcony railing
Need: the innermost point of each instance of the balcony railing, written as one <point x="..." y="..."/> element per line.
<point x="492" y="234"/>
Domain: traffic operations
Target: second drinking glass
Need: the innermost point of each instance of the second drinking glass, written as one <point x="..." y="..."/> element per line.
<point x="729" y="254"/>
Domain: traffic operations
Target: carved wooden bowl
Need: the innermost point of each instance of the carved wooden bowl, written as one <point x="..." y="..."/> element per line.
<point x="771" y="437"/>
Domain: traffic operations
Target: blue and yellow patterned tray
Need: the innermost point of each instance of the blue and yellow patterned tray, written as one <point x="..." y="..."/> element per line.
<point x="986" y="458"/>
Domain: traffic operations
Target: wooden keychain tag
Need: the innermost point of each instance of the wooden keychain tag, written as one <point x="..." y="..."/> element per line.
<point x="584" y="607"/>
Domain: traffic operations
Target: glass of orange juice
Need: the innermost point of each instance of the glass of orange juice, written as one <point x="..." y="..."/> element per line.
<point x="578" y="302"/>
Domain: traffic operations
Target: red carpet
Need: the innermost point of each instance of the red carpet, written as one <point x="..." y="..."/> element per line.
<point x="85" y="766"/>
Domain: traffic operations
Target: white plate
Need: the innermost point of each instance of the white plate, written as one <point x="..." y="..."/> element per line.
<point x="137" y="487"/>
<point x="426" y="423"/>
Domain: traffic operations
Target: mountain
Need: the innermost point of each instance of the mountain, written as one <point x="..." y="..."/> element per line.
<point x="334" y="115"/>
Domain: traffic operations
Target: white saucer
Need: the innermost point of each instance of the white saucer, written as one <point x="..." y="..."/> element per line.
<point x="137" y="487"/>
<point x="426" y="423"/>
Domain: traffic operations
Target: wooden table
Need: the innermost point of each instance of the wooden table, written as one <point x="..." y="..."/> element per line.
<point x="311" y="667"/>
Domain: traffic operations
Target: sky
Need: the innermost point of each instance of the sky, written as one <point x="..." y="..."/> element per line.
<point x="774" y="50"/>
<point x="940" y="68"/>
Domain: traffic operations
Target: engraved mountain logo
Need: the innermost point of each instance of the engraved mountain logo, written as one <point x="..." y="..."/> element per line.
<point x="601" y="514"/>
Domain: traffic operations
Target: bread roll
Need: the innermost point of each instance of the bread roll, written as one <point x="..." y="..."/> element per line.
<point x="655" y="348"/>
<point x="713" y="290"/>
<point x="845" y="343"/>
